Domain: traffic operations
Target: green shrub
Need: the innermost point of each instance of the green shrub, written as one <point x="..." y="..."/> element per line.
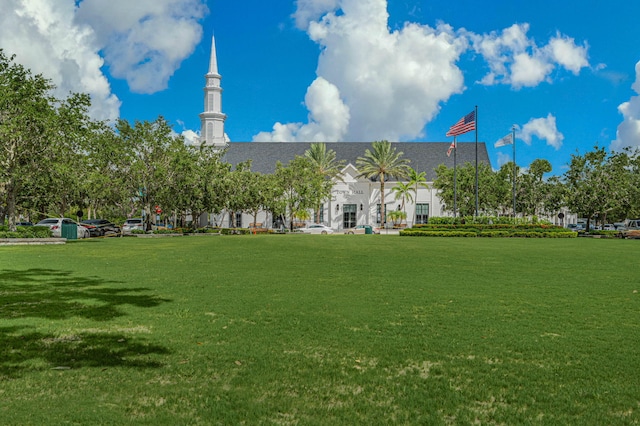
<point x="166" y="231"/>
<point x="235" y="231"/>
<point x="26" y="232"/>
<point x="37" y="231"/>
<point x="494" y="234"/>
<point x="9" y="234"/>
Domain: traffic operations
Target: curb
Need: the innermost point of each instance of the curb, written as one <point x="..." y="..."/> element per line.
<point x="31" y="241"/>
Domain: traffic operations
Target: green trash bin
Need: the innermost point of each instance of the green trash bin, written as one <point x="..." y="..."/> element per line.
<point x="69" y="231"/>
<point x="368" y="229"/>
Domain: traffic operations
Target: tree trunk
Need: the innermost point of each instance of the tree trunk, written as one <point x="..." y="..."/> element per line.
<point x="383" y="207"/>
<point x="11" y="205"/>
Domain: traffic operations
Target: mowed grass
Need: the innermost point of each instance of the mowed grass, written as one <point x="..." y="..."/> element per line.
<point x="314" y="330"/>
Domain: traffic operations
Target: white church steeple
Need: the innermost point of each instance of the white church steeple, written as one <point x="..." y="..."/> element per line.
<point x="212" y="119"/>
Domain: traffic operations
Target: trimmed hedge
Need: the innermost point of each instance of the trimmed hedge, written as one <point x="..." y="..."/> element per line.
<point x="489" y="231"/>
<point x="420" y="233"/>
<point x="479" y="226"/>
<point x="487" y="220"/>
<point x="26" y="232"/>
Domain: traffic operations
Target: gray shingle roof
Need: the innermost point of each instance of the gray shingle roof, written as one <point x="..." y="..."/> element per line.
<point x="424" y="156"/>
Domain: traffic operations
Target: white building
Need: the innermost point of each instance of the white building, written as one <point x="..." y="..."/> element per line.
<point x="354" y="200"/>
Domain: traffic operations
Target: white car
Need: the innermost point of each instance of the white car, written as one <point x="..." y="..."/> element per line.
<point x="316" y="228"/>
<point x="362" y="229"/>
<point x="136" y="224"/>
<point x="55" y="224"/>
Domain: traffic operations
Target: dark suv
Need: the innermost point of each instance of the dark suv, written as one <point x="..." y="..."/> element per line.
<point x="100" y="227"/>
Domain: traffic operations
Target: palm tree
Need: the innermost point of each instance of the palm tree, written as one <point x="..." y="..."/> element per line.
<point x="325" y="163"/>
<point x="417" y="179"/>
<point x="381" y="163"/>
<point x="403" y="192"/>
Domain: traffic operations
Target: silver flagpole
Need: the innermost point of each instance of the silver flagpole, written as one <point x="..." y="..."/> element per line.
<point x="476" y="126"/>
<point x="455" y="178"/>
<point x="515" y="168"/>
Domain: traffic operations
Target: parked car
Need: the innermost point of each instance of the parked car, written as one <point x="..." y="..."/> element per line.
<point x="362" y="229"/>
<point x="631" y="230"/>
<point x="100" y="227"/>
<point x="575" y="227"/>
<point x="316" y="228"/>
<point x="55" y="224"/>
<point x="609" y="227"/>
<point x="135" y="224"/>
<point x="24" y="223"/>
<point x="620" y="226"/>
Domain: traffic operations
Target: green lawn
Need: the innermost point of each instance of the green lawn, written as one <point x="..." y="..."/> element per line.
<point x="305" y="329"/>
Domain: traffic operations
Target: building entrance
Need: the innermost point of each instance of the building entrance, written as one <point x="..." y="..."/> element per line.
<point x="349" y="215"/>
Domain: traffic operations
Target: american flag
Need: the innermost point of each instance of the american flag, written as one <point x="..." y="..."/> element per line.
<point x="451" y="148"/>
<point x="464" y="125"/>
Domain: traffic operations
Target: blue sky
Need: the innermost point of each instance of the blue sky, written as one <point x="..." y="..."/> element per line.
<point x="357" y="70"/>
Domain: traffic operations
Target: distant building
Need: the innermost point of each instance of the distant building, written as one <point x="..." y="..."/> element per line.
<point x="354" y="201"/>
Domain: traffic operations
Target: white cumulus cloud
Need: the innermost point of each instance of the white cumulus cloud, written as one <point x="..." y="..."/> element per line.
<point x="391" y="83"/>
<point x="516" y="59"/>
<point x="328" y="118"/>
<point x="46" y="39"/>
<point x="544" y="129"/>
<point x="628" y="133"/>
<point x="394" y="82"/>
<point x="144" y="41"/>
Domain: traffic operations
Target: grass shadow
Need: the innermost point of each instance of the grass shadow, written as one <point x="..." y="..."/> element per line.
<point x="22" y="350"/>
<point x="51" y="294"/>
<point x="55" y="294"/>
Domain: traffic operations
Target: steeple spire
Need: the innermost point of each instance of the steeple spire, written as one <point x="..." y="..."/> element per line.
<point x="212" y="119"/>
<point x="213" y="62"/>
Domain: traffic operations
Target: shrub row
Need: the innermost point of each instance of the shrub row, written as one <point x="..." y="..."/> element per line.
<point x="487" y="234"/>
<point x="26" y="232"/>
<point x="486" y="220"/>
<point x="479" y="226"/>
<point x="223" y="231"/>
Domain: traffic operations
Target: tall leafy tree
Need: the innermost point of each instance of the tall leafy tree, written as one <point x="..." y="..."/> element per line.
<point x="240" y="189"/>
<point x="299" y="185"/>
<point x="503" y="189"/>
<point x="532" y="186"/>
<point x="149" y="145"/>
<point x="106" y="174"/>
<point x="326" y="165"/>
<point x="381" y="163"/>
<point x="488" y="199"/>
<point x="73" y="131"/>
<point x="596" y="183"/>
<point x="634" y="183"/>
<point x="464" y="193"/>
<point x="554" y="196"/>
<point x="27" y="116"/>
